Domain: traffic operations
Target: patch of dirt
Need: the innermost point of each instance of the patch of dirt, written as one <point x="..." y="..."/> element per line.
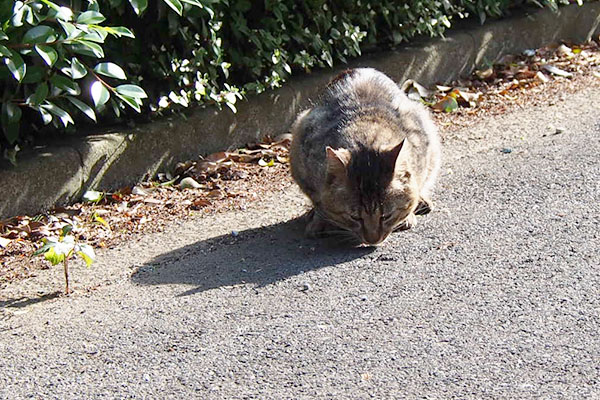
<point x="232" y="180"/>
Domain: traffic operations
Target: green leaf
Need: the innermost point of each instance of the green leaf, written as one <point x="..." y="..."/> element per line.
<point x="92" y="196"/>
<point x="87" y="48"/>
<point x="100" y="220"/>
<point x="54" y="257"/>
<point x="111" y="70"/>
<point x="66" y="85"/>
<point x="115" y="107"/>
<point x="64" y="13"/>
<point x="57" y="251"/>
<point x="93" y="5"/>
<point x="46" y="116"/>
<point x="51" y="5"/>
<point x="4" y="51"/>
<point x="78" y="70"/>
<point x="47" y="245"/>
<point x="48" y="54"/>
<point x="11" y="112"/>
<point x="16" y="66"/>
<point x="11" y="132"/>
<point x="71" y="30"/>
<point x="64" y="116"/>
<point x="95" y="35"/>
<point x="34" y="74"/>
<point x="3" y="36"/>
<point x="10" y="117"/>
<point x="193" y="2"/>
<point x="133" y="102"/>
<point x="120" y="31"/>
<point x="100" y="94"/>
<point x="131" y="91"/>
<point x="6" y="10"/>
<point x="264" y="163"/>
<point x="65" y="231"/>
<point x="139" y="6"/>
<point x="84" y="108"/>
<point x="447" y="104"/>
<point x="41" y="92"/>
<point x="175" y="5"/>
<point x="39" y="34"/>
<point x="90" y="17"/>
<point x="19" y="13"/>
<point x="86" y="252"/>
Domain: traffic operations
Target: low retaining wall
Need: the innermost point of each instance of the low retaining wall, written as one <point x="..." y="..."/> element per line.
<point x="56" y="175"/>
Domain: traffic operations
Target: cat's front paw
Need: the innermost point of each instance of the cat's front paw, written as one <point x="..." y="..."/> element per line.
<point x="409" y="222"/>
<point x="424" y="206"/>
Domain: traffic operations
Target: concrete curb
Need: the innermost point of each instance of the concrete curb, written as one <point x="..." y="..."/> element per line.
<point x="57" y="175"/>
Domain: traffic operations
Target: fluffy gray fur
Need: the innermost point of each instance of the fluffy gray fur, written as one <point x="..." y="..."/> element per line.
<point x="366" y="156"/>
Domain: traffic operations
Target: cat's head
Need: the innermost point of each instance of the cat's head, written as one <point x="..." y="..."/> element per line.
<point x="368" y="192"/>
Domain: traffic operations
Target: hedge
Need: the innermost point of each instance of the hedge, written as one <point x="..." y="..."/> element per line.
<point x="68" y="63"/>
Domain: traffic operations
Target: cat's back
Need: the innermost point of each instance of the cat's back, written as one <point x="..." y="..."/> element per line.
<point x="361" y="94"/>
<point x="363" y="87"/>
<point x="361" y="108"/>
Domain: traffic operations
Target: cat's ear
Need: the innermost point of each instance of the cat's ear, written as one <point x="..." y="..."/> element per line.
<point x="337" y="162"/>
<point x="393" y="154"/>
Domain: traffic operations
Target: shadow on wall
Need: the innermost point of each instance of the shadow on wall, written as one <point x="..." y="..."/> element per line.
<point x="259" y="256"/>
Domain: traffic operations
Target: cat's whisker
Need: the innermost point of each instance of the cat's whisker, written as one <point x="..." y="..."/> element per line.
<point x="344" y="236"/>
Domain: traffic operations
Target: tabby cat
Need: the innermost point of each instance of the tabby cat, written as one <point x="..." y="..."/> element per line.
<point x="366" y="156"/>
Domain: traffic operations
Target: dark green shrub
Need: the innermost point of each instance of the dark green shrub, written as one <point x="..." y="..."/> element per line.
<point x="64" y="62"/>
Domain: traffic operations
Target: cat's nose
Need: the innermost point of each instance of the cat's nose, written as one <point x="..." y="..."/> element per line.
<point x="372" y="237"/>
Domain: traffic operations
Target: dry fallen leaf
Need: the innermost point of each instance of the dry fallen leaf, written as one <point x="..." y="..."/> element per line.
<point x="485" y="73"/>
<point x="216" y="193"/>
<point x="140" y="191"/>
<point x="540" y="76"/>
<point x="443" y="88"/>
<point x="199" y="203"/>
<point x="557" y="71"/>
<point x="190" y="183"/>
<point x="153" y="201"/>
<point x="4" y="242"/>
<point x="217" y="157"/>
<point x="416" y="91"/>
<point x="564" y="51"/>
<point x="466" y="98"/>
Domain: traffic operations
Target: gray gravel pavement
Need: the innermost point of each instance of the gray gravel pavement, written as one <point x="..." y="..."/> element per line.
<point x="495" y="294"/>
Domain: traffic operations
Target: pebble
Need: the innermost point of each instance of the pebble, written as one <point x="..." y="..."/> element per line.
<point x="306" y="287"/>
<point x="506" y="150"/>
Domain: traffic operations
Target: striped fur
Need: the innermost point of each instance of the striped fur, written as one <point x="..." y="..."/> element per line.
<point x="366" y="156"/>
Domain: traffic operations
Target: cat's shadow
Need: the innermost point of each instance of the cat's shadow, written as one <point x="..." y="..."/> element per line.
<point x="259" y="256"/>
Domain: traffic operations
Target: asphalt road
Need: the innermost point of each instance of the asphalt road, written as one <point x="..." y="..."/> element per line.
<point x="495" y="294"/>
